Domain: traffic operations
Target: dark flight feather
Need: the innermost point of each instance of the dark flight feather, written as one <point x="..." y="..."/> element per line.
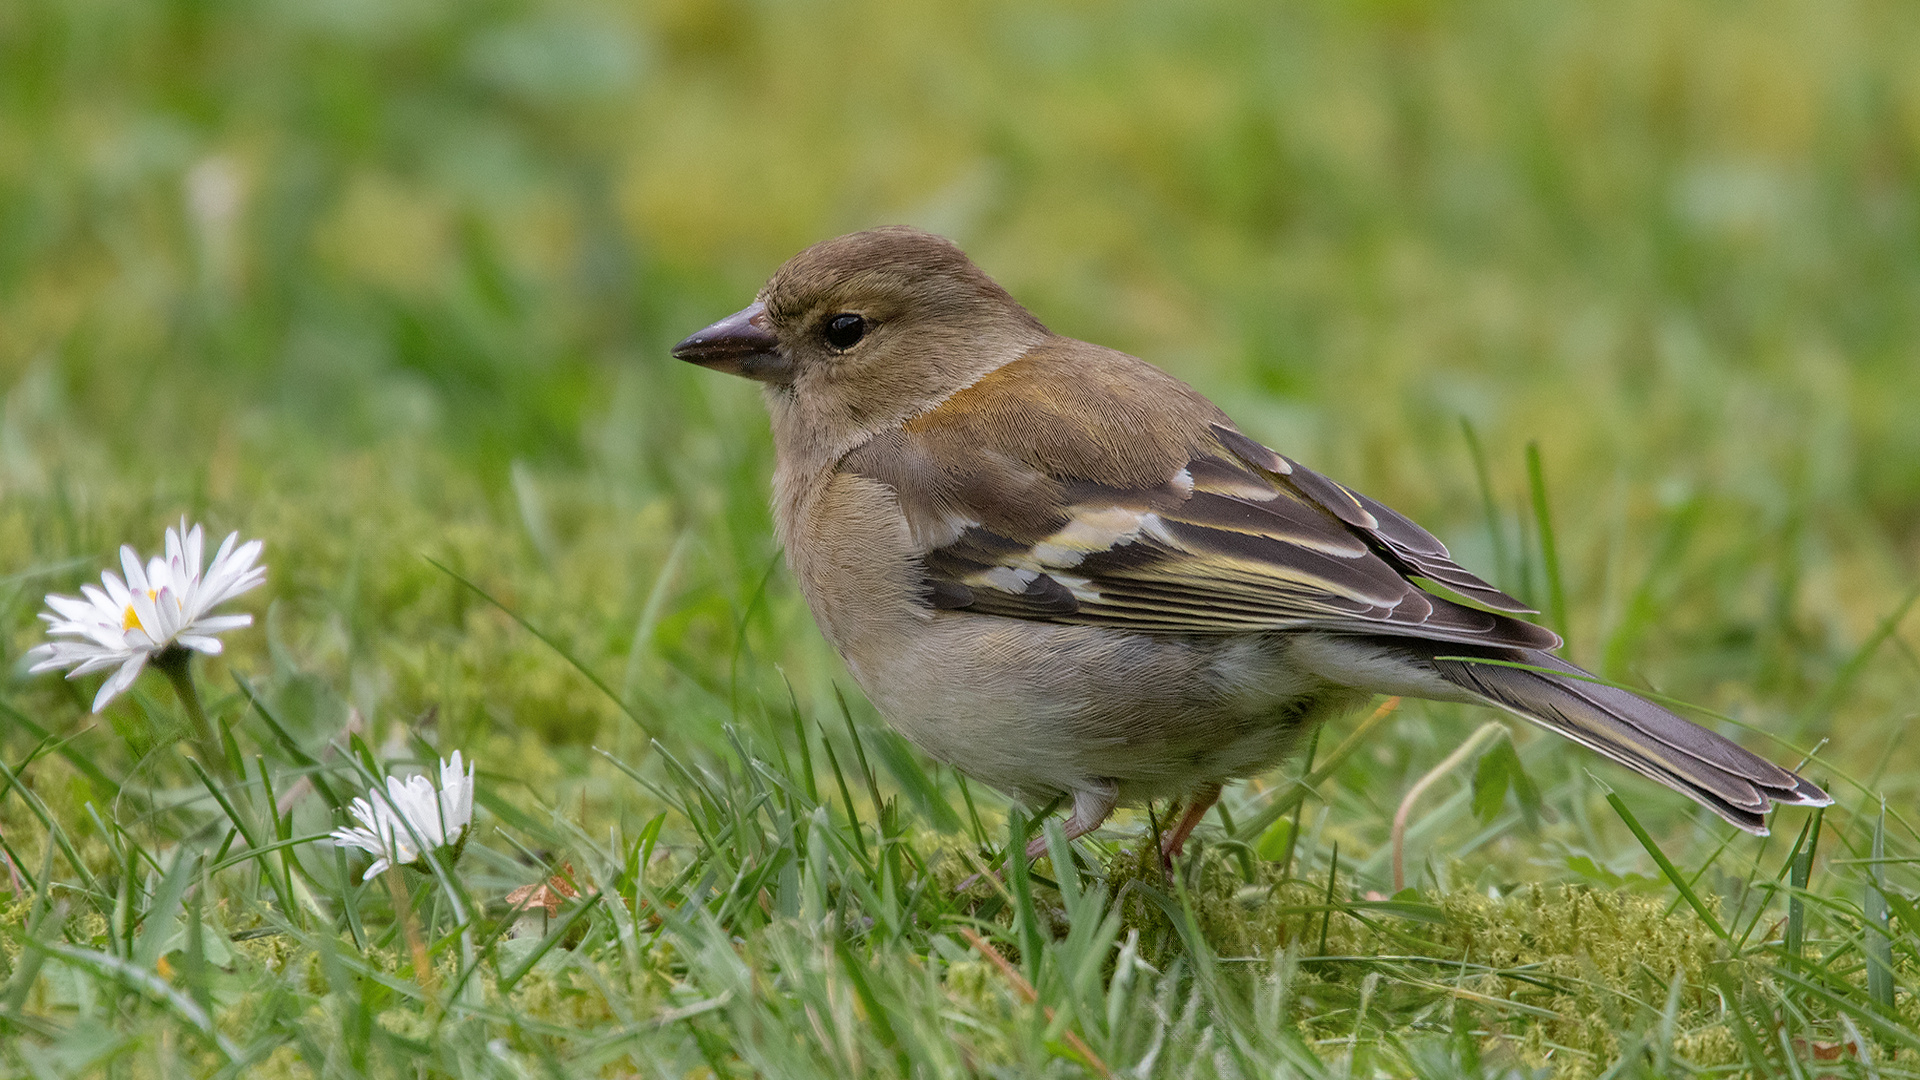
<point x="1719" y="774"/>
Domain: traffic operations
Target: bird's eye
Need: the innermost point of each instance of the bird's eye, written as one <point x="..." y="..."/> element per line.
<point x="845" y="330"/>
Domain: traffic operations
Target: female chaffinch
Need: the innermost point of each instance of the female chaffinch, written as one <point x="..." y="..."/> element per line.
<point x="1066" y="573"/>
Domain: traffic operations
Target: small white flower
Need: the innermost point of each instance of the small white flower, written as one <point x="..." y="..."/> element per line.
<point x="410" y="818"/>
<point x="159" y="606"/>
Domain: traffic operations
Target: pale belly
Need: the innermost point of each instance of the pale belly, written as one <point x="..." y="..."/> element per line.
<point x="1037" y="710"/>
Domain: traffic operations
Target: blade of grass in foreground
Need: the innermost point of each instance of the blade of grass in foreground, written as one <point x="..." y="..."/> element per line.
<point x="64" y="747"/>
<point x="1843" y="681"/>
<point x="1799" y="876"/>
<point x="1251" y="828"/>
<point x="1502" y="561"/>
<point x="54" y="832"/>
<point x="565" y="653"/>
<point x="1878" y="946"/>
<point x="1666" y="867"/>
<point x="315" y="771"/>
<point x="1026" y="918"/>
<point x="156" y="988"/>
<point x="1549" y="550"/>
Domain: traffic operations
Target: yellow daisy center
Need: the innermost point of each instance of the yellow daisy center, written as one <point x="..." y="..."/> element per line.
<point x="131" y="620"/>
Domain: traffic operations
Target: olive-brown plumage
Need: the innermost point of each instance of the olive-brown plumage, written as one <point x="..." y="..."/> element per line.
<point x="1065" y="572"/>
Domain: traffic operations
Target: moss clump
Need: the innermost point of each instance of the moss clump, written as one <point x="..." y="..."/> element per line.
<point x="1560" y="976"/>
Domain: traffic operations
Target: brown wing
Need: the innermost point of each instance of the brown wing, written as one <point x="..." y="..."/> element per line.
<point x="1097" y="489"/>
<point x="1412" y="549"/>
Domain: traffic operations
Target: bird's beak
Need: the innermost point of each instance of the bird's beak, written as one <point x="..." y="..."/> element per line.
<point x="740" y="344"/>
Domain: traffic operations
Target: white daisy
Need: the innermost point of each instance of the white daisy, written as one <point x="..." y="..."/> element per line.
<point x="410" y="818"/>
<point x="162" y="605"/>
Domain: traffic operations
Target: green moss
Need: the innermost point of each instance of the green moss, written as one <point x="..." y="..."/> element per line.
<point x="1588" y="968"/>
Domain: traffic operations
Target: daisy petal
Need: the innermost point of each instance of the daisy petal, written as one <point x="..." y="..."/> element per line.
<point x="119" y="681"/>
<point x="130" y="564"/>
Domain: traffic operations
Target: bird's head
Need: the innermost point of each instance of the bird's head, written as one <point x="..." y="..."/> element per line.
<point x="871" y="328"/>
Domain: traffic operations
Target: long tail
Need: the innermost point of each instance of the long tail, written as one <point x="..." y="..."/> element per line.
<point x="1633" y="731"/>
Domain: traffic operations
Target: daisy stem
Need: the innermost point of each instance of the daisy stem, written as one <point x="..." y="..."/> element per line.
<point x="403" y="909"/>
<point x="176" y="663"/>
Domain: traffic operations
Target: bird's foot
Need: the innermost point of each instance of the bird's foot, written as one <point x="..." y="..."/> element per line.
<point x="1091" y="809"/>
<point x="1174" y="841"/>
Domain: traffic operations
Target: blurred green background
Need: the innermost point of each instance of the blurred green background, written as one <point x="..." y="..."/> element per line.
<point x="373" y="279"/>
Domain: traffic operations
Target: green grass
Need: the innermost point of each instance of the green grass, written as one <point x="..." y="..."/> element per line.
<point x="1618" y="298"/>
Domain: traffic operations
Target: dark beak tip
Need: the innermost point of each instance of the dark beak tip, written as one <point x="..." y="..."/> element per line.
<point x="740" y="344"/>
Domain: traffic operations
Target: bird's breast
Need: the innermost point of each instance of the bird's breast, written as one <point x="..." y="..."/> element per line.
<point x="850" y="548"/>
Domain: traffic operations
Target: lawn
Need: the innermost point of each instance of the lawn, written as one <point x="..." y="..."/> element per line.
<point x="1621" y="299"/>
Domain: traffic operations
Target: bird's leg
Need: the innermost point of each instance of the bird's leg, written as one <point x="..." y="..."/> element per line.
<point x="1197" y="807"/>
<point x="1091" y="809"/>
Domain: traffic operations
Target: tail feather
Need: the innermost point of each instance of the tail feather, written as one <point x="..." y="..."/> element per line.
<point x="1719" y="774"/>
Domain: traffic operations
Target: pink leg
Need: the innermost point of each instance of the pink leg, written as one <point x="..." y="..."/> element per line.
<point x="1197" y="807"/>
<point x="1091" y="809"/>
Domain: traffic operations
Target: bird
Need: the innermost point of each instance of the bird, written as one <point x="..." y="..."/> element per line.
<point x="1068" y="575"/>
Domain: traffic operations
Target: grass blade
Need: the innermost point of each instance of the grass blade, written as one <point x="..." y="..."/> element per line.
<point x="1496" y="532"/>
<point x="146" y="981"/>
<point x="565" y="653"/>
<point x="1798" y="877"/>
<point x="1549" y="549"/>
<point x="1878" y="946"/>
<point x="1251" y="828"/>
<point x="315" y="770"/>
<point x="876" y="1015"/>
<point x="1666" y="867"/>
<point x="54" y="831"/>
<point x="1849" y="671"/>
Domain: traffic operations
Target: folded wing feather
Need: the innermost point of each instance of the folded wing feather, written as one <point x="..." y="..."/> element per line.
<point x="1210" y="533"/>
